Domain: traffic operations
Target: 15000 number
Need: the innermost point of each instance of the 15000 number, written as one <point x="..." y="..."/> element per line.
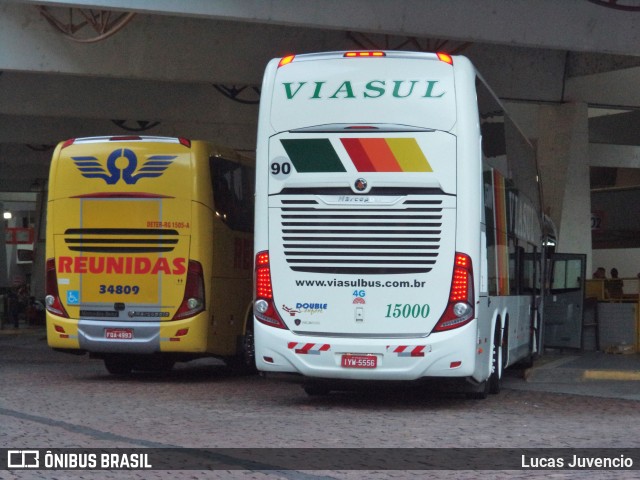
<point x="407" y="310"/>
<point x="120" y="289"/>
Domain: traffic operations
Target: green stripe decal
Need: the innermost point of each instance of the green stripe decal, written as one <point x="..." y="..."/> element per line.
<point x="313" y="155"/>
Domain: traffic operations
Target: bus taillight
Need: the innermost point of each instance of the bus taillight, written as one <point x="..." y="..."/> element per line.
<point x="263" y="308"/>
<point x="459" y="310"/>
<point x="193" y="300"/>
<point x="52" y="298"/>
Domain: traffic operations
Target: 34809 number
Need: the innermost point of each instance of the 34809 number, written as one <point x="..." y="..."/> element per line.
<point x="119" y="289"/>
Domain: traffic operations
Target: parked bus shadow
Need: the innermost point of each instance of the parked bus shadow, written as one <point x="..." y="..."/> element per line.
<point x="362" y="394"/>
<point x="196" y="371"/>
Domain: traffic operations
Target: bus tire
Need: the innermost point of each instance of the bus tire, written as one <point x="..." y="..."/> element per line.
<point x="245" y="360"/>
<point x="118" y="365"/>
<point x="495" y="378"/>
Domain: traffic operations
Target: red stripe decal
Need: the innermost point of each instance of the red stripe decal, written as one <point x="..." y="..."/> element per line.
<point x="325" y="347"/>
<point x="417" y="352"/>
<point x="358" y="156"/>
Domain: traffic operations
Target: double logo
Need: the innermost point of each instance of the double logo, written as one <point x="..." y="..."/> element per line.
<point x="126" y="170"/>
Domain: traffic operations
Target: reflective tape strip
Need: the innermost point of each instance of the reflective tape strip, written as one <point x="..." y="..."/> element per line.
<point x="408" y="350"/>
<point x="308" y="348"/>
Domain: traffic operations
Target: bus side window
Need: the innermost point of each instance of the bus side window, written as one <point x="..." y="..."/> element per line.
<point x="232" y="193"/>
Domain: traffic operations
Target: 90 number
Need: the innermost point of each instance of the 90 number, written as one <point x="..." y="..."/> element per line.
<point x="280" y="168"/>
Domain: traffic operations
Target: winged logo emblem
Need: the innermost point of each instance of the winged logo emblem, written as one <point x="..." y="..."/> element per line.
<point x="154" y="166"/>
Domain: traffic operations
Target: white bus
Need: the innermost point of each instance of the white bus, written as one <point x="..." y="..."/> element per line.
<point x="398" y="223"/>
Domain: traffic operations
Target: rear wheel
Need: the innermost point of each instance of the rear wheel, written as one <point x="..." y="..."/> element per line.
<point x="248" y="350"/>
<point x="245" y="360"/>
<point x="495" y="379"/>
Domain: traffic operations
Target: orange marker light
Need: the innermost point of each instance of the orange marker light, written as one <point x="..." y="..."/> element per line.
<point x="286" y="60"/>
<point x="444" y="57"/>
<point x="376" y="53"/>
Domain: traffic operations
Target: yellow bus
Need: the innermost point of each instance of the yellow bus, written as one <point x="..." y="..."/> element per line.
<point x="149" y="251"/>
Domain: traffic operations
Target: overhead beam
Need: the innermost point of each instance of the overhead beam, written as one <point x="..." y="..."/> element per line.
<point x="39" y="94"/>
<point x="566" y="25"/>
<point x="35" y="130"/>
<point x="618" y="88"/>
<point x="155" y="47"/>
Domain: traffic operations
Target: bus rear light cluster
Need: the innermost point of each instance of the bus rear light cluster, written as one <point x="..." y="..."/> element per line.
<point x="193" y="301"/>
<point x="459" y="309"/>
<point x="263" y="308"/>
<point x="52" y="300"/>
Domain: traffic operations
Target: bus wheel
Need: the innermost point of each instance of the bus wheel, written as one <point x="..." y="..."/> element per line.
<point x="248" y="353"/>
<point x="245" y="360"/>
<point x="495" y="379"/>
<point x="118" y="365"/>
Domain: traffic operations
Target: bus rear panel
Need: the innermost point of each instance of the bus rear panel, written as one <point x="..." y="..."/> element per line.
<point x="130" y="249"/>
<point x="370" y="219"/>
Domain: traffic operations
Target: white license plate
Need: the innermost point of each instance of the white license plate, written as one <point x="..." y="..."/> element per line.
<point x="359" y="361"/>
<point x="119" y="333"/>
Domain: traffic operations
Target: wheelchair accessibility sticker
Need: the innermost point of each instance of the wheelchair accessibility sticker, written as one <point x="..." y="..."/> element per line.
<point x="73" y="297"/>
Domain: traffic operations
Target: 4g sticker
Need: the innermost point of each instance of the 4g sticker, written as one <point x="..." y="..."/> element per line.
<point x="359" y="297"/>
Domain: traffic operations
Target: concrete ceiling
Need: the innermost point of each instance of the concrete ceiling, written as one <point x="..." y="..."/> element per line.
<point x="164" y="71"/>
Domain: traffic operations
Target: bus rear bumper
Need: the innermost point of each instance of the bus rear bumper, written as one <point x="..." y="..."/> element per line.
<point x="443" y="354"/>
<point x="98" y="336"/>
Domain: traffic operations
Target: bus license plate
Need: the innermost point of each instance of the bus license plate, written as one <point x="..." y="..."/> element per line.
<point x="118" y="333"/>
<point x="359" y="361"/>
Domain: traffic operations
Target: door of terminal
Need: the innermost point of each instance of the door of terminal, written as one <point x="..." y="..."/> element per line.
<point x="564" y="301"/>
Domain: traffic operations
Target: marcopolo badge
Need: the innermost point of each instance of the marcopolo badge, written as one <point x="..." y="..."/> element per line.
<point x="360" y="185"/>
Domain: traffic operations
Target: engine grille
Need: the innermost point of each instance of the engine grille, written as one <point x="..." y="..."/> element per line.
<point x="120" y="240"/>
<point x="404" y="238"/>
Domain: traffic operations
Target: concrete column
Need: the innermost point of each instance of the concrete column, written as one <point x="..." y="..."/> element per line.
<point x="563" y="150"/>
